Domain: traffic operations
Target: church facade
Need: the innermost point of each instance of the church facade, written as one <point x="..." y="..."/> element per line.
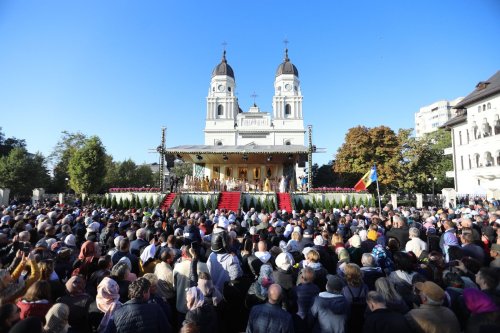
<point x="252" y="147"/>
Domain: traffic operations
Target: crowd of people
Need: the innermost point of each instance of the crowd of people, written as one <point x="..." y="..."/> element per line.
<point x="87" y="268"/>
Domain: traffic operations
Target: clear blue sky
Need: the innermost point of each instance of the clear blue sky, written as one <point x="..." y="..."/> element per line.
<point x="121" y="69"/>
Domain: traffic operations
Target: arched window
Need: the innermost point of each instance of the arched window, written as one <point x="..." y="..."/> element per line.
<point x="489" y="106"/>
<point x="288" y="110"/>
<point x="220" y="110"/>
<point x="476" y="160"/>
<point x="488" y="159"/>
<point x="460" y="137"/>
<point x="219" y="143"/>
<point x="484" y="107"/>
<point x="287" y="143"/>
<point x="479" y="108"/>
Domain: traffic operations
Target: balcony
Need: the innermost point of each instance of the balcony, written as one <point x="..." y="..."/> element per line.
<point x="448" y="151"/>
<point x="450" y="174"/>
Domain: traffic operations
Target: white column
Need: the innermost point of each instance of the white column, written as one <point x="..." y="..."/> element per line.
<point x="420" y="201"/>
<point x="394" y="200"/>
<point x="38" y="194"/>
<point x="4" y="196"/>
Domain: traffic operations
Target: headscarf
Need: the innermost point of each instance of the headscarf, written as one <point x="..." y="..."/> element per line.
<point x="208" y="290"/>
<point x="265" y="280"/>
<point x="88" y="251"/>
<point x="478" y="302"/>
<point x="194" y="298"/>
<point x="284" y="261"/>
<point x="355" y="241"/>
<point x="56" y="319"/>
<point x="75" y="285"/>
<point x="148" y="253"/>
<point x="107" y="300"/>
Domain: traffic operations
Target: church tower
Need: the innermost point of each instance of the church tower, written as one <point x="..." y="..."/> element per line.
<point x="222" y="106"/>
<point x="287" y="105"/>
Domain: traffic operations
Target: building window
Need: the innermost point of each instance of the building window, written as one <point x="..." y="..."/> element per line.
<point x="468" y="138"/>
<point x="498" y="157"/>
<point x="287" y="143"/>
<point x="484" y="107"/>
<point x="220" y="110"/>
<point x="229" y="89"/>
<point x="476" y="158"/>
<point x="460" y="137"/>
<point x="470" y="163"/>
<point x="288" y="110"/>
<point x="462" y="162"/>
<point x="219" y="143"/>
<point x="479" y="108"/>
<point x="489" y="106"/>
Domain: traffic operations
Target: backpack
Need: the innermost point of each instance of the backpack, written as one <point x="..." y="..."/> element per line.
<point x="358" y="301"/>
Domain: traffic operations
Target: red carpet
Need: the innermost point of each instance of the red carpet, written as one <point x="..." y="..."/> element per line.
<point x="167" y="202"/>
<point x="285" y="202"/>
<point x="229" y="201"/>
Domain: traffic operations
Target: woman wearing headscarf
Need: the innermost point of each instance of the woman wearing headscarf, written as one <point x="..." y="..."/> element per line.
<point x="87" y="262"/>
<point x="285" y="275"/>
<point x="484" y="313"/>
<point x="258" y="290"/>
<point x="148" y="262"/>
<point x="200" y="311"/>
<point x="107" y="301"/>
<point x="78" y="302"/>
<point x="354" y="250"/>
<point x="56" y="320"/>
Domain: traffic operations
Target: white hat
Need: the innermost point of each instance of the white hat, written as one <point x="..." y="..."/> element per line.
<point x="283" y="211"/>
<point x="70" y="240"/>
<point x="94" y="227"/>
<point x="306" y="250"/>
<point x="223" y="222"/>
<point x="319" y="240"/>
<point x="284" y="261"/>
<point x="117" y="240"/>
<point x="253" y="230"/>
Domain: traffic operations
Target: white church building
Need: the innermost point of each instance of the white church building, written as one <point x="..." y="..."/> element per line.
<point x="253" y="145"/>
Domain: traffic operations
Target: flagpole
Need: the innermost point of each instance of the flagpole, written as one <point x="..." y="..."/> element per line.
<point x="379" y="202"/>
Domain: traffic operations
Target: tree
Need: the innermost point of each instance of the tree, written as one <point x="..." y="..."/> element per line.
<point x="364" y="147"/>
<point x="324" y="176"/>
<point x="423" y="159"/>
<point x="7" y="144"/>
<point x="64" y="149"/>
<point x="22" y="172"/>
<point x="87" y="167"/>
<point x="181" y="170"/>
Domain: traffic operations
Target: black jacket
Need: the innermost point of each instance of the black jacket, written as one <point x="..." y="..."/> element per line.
<point x="385" y="321"/>
<point x="139" y="317"/>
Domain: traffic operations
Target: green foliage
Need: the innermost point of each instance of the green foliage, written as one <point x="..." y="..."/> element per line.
<point x="133" y="202"/>
<point x="201" y="205"/>
<point x="128" y="174"/>
<point x="151" y="202"/>
<point x="114" y="204"/>
<point x="181" y="170"/>
<point x="60" y="156"/>
<point x="8" y="144"/>
<point x="22" y="172"/>
<point x="258" y="205"/>
<point x="126" y="204"/>
<point x="328" y="206"/>
<point x="87" y="167"/>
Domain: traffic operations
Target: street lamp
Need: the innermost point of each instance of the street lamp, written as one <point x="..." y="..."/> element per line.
<point x="433" y="180"/>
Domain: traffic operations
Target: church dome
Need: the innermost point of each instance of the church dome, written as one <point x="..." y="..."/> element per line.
<point x="223" y="68"/>
<point x="286" y="67"/>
